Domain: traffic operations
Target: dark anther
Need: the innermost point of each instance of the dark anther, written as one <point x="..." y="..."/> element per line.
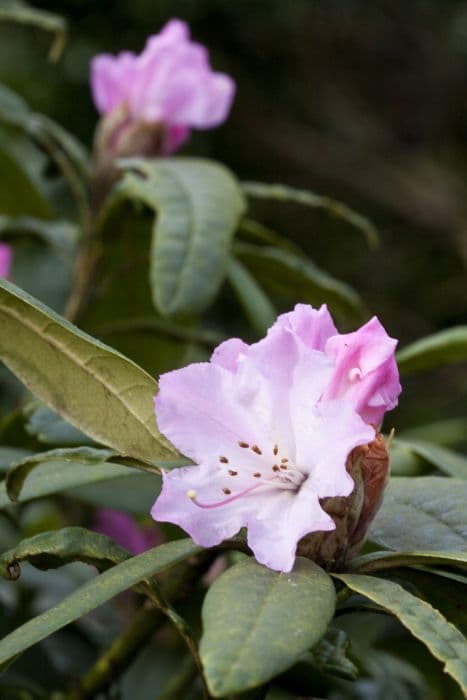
<point x="257" y="474"/>
<point x="256" y="449"/>
<point x="227" y="491"/>
<point x="276" y="449"/>
<point x="232" y="472"/>
<point x="243" y="444"/>
<point x="283" y="466"/>
<point x="224" y="460"/>
<point x="275" y="468"/>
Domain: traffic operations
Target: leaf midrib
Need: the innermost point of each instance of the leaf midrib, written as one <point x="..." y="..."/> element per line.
<point x="8" y="311"/>
<point x="253" y="627"/>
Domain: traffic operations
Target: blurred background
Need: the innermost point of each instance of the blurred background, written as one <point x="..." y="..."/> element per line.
<point x="366" y="102"/>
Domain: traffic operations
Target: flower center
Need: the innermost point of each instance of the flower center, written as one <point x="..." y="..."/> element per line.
<point x="277" y="472"/>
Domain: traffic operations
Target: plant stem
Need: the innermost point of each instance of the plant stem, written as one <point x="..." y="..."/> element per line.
<point x="120" y="654"/>
<point x="181" y="681"/>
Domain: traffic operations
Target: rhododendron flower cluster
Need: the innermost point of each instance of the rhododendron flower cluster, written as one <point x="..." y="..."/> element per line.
<point x="5" y="259"/>
<point x="170" y="84"/>
<point x="270" y="427"/>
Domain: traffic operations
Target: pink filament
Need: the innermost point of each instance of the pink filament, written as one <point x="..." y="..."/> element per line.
<point x="226" y="500"/>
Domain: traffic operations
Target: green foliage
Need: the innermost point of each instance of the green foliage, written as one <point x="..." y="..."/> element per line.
<point x="428" y="625"/>
<point x="257" y="623"/>
<point x="311" y="199"/>
<point x="422" y="513"/>
<point x="256" y="304"/>
<point x="94" y="593"/>
<point x="21" y="12"/>
<point x="434" y="350"/>
<point x="442" y="458"/>
<point x="64" y="366"/>
<point x="197" y="206"/>
<point x="292" y="276"/>
<point x="49" y="550"/>
<point x="56" y="471"/>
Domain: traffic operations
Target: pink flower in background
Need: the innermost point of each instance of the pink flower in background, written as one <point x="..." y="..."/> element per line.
<point x="270" y="427"/>
<point x="170" y="82"/>
<point x="5" y="259"/>
<point x="122" y="528"/>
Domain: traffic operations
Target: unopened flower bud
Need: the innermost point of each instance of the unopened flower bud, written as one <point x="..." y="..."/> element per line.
<point x="368" y="466"/>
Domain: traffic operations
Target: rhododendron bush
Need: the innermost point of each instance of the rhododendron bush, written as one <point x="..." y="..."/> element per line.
<point x="206" y="489"/>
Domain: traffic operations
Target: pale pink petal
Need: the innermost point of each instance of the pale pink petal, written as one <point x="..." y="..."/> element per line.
<point x="5" y="259"/>
<point x="325" y="434"/>
<point x="279" y="371"/>
<point x="227" y="353"/>
<point x="365" y="370"/>
<point x="197" y="98"/>
<point x="174" y="32"/>
<point x="204" y="413"/>
<point x="313" y="326"/>
<point x="280" y="523"/>
<point x="170" y="82"/>
<point x="207" y="526"/>
<point x="111" y="77"/>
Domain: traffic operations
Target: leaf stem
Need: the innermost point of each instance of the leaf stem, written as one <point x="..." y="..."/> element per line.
<point x="120" y="654"/>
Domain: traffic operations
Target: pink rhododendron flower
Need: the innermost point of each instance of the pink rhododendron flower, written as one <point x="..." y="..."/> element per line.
<point x="170" y="82"/>
<point x="5" y="259"/>
<point x="125" y="531"/>
<point x="270" y="427"/>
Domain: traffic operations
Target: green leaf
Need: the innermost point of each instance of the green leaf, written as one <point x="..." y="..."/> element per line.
<point x="19" y="11"/>
<point x="79" y="456"/>
<point x="422" y="513"/>
<point x="21" y="192"/>
<point x="404" y="462"/>
<point x="49" y="428"/>
<point x="121" y="309"/>
<point x="198" y="205"/>
<point x="62" y="235"/>
<point x="65" y="151"/>
<point x="292" y="276"/>
<point x="257" y="305"/>
<point x="446" y="593"/>
<point x="446" y="460"/>
<point x="258" y="622"/>
<point x="435" y="350"/>
<point x="64" y="367"/>
<point x="94" y="593"/>
<point x="443" y="640"/>
<point x="330" y="655"/>
<point x="11" y="455"/>
<point x="378" y="561"/>
<point x="50" y="550"/>
<point x="311" y="199"/>
<point x="85" y="481"/>
<point x="447" y="431"/>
